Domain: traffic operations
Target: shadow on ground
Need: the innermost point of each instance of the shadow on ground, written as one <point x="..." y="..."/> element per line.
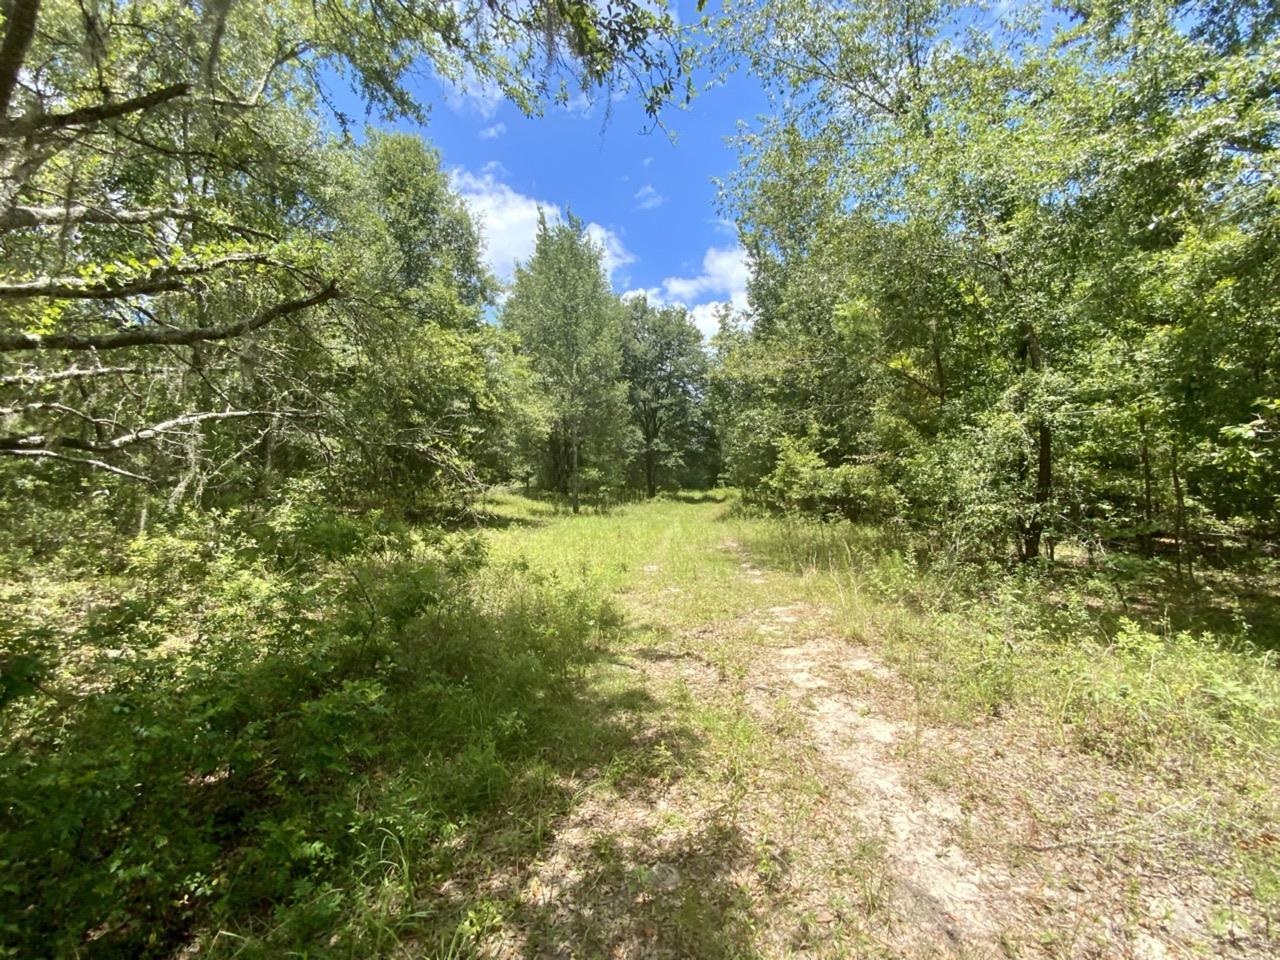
<point x="634" y="893"/>
<point x="331" y="772"/>
<point x="652" y="862"/>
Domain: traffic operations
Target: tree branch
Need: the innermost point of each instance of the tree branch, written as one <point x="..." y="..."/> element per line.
<point x="159" y="280"/>
<point x="152" y="336"/>
<point x="153" y="431"/>
<point x="24" y="408"/>
<point x="71" y="373"/>
<point x="85" y="116"/>
<point x="912" y="379"/>
<point x="83" y="461"/>
<point x="20" y="22"/>
<point x="37" y="441"/>
<point x="16" y="218"/>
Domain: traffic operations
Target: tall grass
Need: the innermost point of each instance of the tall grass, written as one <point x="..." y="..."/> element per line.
<point x="306" y="733"/>
<point x="1122" y="659"/>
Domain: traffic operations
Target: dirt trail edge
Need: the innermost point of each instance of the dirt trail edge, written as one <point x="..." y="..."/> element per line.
<point x="824" y="818"/>
<point x="939" y="890"/>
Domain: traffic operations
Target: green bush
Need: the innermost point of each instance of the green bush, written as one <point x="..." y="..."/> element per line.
<point x="237" y="724"/>
<point x="802" y="481"/>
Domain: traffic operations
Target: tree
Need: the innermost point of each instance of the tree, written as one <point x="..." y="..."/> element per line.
<point x="409" y="381"/>
<point x="1017" y="272"/>
<point x="162" y="181"/>
<point x="665" y="369"/>
<point x="568" y="321"/>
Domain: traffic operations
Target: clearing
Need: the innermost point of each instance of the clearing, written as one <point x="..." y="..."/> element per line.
<point x="792" y="787"/>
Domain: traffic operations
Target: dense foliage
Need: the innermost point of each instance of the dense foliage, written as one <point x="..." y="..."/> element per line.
<point x="625" y="382"/>
<point x="223" y="732"/>
<point x="243" y="354"/>
<point x="666" y="370"/>
<point x="198" y="280"/>
<point x="1013" y="285"/>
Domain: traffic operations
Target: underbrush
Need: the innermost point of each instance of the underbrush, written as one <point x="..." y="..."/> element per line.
<point x="277" y="733"/>
<point x="1121" y="658"/>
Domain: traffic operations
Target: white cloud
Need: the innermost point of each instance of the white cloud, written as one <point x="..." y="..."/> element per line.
<point x="727" y="227"/>
<point x="647" y="161"/>
<point x="652" y="294"/>
<point x="492" y="133"/>
<point x="467" y="93"/>
<point x="647" y="198"/>
<point x="509" y="221"/>
<point x="580" y="103"/>
<point x="723" y="279"/>
<point x="724" y="272"/>
<point x="706" y="316"/>
<point x="616" y="255"/>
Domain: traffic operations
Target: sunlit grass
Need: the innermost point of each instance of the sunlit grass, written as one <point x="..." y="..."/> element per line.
<point x="1164" y="679"/>
<point x="403" y="718"/>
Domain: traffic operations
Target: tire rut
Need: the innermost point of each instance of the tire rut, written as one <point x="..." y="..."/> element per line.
<point x="941" y="895"/>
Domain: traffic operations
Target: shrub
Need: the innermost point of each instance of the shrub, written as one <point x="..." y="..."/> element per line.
<point x="802" y="481"/>
<point x="236" y="723"/>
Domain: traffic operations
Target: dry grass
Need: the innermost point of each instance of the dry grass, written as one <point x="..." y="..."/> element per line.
<point x="828" y="805"/>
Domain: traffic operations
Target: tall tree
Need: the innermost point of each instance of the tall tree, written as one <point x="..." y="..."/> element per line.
<point x="568" y="321"/>
<point x="161" y="188"/>
<point x="665" y="369"/>
<point x="1017" y="272"/>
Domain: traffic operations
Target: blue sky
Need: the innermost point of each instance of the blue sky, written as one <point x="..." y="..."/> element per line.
<point x="649" y="199"/>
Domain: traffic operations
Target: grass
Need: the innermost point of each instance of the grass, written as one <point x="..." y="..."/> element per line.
<point x="1085" y="649"/>
<point x="303" y="734"/>
<point x="1121" y="660"/>
<point x="242" y="739"/>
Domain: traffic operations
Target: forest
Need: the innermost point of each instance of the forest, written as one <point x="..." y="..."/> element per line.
<point x="361" y="599"/>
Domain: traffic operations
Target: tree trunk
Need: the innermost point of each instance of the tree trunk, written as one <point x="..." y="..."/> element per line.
<point x="267" y="451"/>
<point x="1146" y="544"/>
<point x="651" y="472"/>
<point x="1033" y="529"/>
<point x="573" y="467"/>
<point x="1180" y="515"/>
<point x="938" y="372"/>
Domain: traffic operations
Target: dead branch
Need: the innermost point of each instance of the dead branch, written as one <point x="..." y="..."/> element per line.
<point x="37" y="441"/>
<point x="82" y="461"/>
<point x="35" y="378"/>
<point x="21" y="217"/>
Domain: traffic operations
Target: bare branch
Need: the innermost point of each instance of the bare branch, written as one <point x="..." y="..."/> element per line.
<point x="83" y="461"/>
<point x="153" y="431"/>
<point x="71" y="373"/>
<point x="37" y="407"/>
<point x="292" y="52"/>
<point x="68" y="211"/>
<point x="36" y="441"/>
<point x="151" y="336"/>
<point x="17" y="218"/>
